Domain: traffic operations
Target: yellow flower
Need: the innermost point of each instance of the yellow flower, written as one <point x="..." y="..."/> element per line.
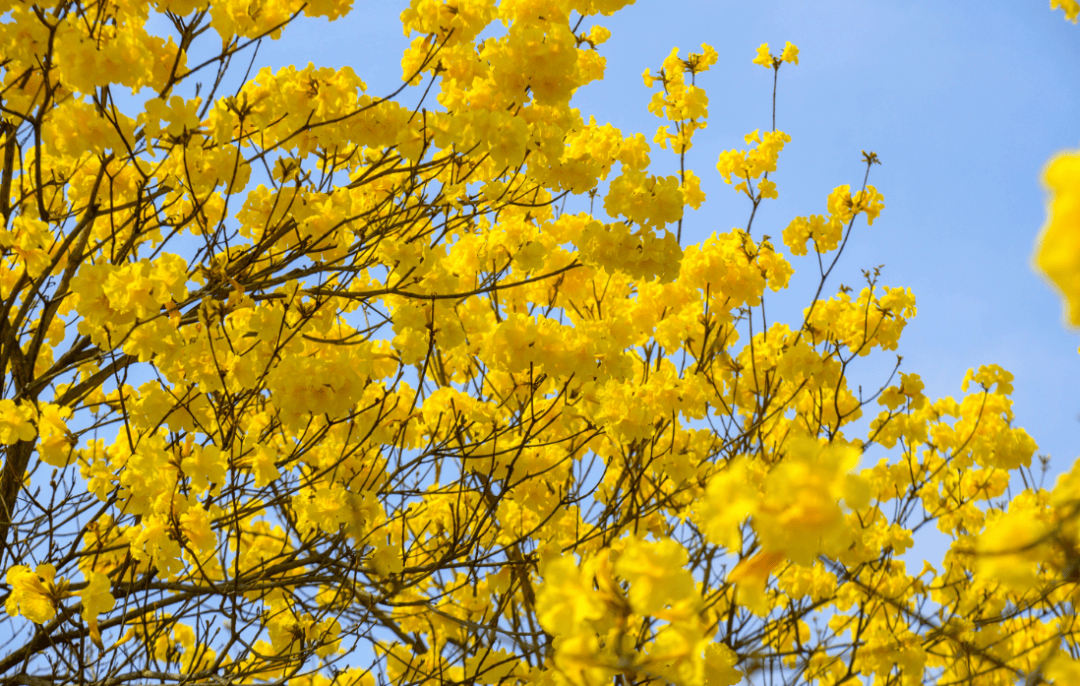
<point x="566" y="603"/>
<point x="1058" y="254"/>
<point x="691" y="188"/>
<point x="892" y="398"/>
<point x="35" y="595"/>
<point x="1062" y="668"/>
<point x="1070" y="7"/>
<point x="763" y="57"/>
<point x="656" y="574"/>
<point x="56" y="443"/>
<point x="720" y="664"/>
<point x="16" y="422"/>
<point x="1013" y="547"/>
<point x="96" y="599"/>
<point x="598" y="35"/>
<point x="790" y="54"/>
<point x="750" y="578"/>
<point x="800" y="514"/>
<point x="493" y="666"/>
<point x="767" y="189"/>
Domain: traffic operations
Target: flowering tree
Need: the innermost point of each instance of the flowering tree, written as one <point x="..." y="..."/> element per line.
<point x="305" y="384"/>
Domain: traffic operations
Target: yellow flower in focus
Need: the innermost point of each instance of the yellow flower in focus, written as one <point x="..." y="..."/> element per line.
<point x="16" y="422"/>
<point x="790" y="54"/>
<point x="181" y="115"/>
<point x="870" y="202"/>
<point x="1058" y="254"/>
<point x="700" y="62"/>
<point x="691" y="189"/>
<point x="891" y="398"/>
<point x="35" y="595"/>
<point x="96" y="598"/>
<point x="56" y="442"/>
<point x="912" y="386"/>
<point x="598" y="35"/>
<point x="989" y="375"/>
<point x="763" y="57"/>
<point x="767" y="189"/>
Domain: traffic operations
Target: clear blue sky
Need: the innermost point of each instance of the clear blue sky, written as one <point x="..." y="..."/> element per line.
<point x="964" y="101"/>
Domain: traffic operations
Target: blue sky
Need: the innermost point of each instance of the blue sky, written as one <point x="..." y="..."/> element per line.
<point x="963" y="101"/>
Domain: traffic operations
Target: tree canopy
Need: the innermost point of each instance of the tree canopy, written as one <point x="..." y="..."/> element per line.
<point x="310" y="385"/>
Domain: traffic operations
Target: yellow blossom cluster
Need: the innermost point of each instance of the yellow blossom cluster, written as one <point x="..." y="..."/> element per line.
<point x="299" y="375"/>
<point x="1071" y="8"/>
<point x="1059" y="253"/>
<point x="753" y="164"/>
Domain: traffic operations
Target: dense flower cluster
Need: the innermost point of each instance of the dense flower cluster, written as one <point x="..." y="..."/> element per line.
<point x="306" y="384"/>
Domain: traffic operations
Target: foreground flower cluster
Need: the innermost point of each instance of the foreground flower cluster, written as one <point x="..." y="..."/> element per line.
<point x="306" y="384"/>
